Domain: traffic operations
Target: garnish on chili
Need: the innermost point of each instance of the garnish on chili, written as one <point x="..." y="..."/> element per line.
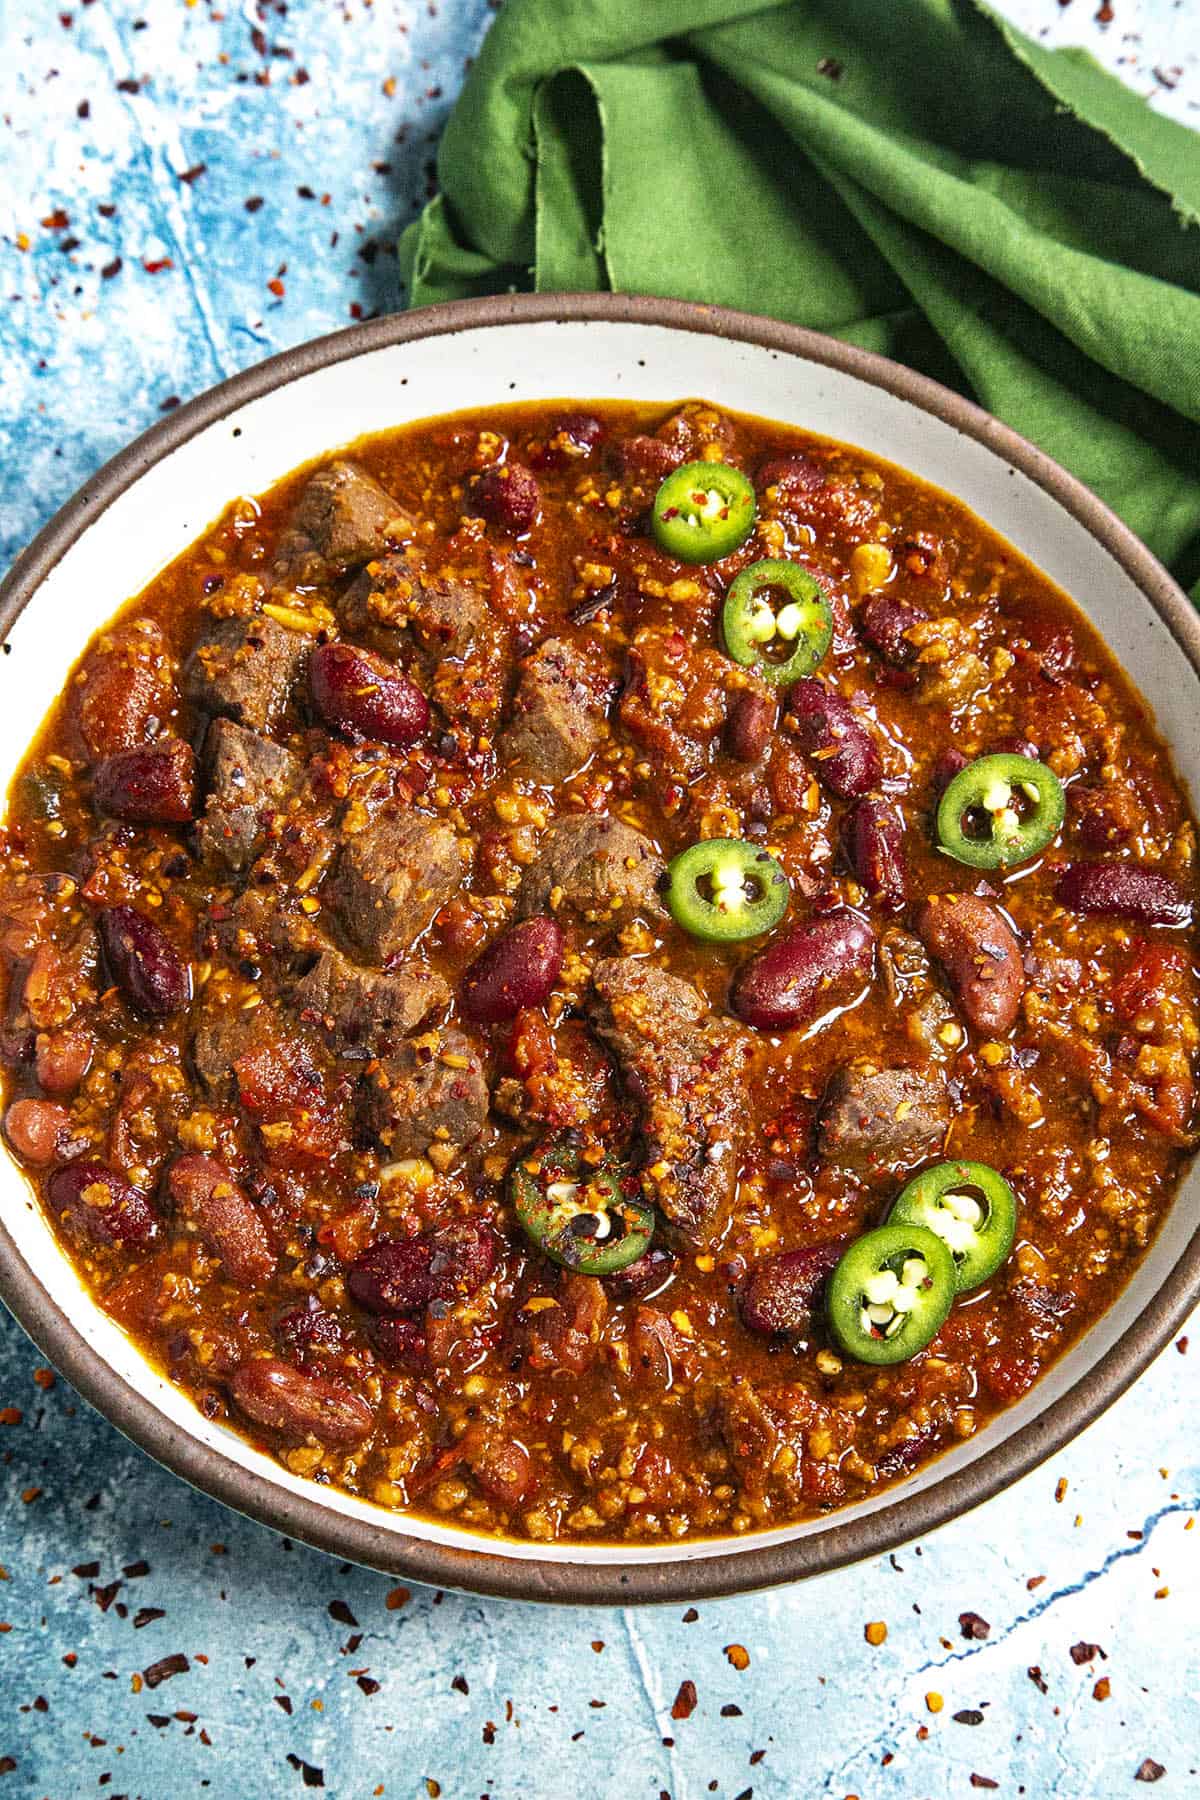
<point x="777" y="621"/>
<point x="999" y="810"/>
<point x="971" y="1208"/>
<point x="723" y="889"/>
<point x="890" y="1293"/>
<point x="703" y="511"/>
<point x="578" y="1214"/>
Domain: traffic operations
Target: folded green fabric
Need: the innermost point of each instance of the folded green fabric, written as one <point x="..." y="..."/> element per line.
<point x="914" y="176"/>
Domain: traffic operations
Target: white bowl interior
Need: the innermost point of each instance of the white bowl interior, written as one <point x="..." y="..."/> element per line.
<point x="253" y="446"/>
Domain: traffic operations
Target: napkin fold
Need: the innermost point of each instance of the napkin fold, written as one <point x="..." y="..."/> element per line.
<point x="914" y="176"/>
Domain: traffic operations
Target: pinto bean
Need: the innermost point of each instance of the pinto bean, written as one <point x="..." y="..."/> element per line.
<point x="507" y="495"/>
<point x="873" y="840"/>
<point x="883" y="621"/>
<point x="842" y="750"/>
<point x="805" y="972"/>
<point x="209" y="1199"/>
<point x="299" y="1405"/>
<point x="780" y="1294"/>
<point x="143" y="962"/>
<point x="752" y="718"/>
<point x="980" y="953"/>
<point x="101" y="1205"/>
<point x="1122" y="890"/>
<point x="516" y="971"/>
<point x="154" y="784"/>
<point x="62" y="1059"/>
<point x="38" y="1130"/>
<point x="364" y="698"/>
<point x="500" y="1464"/>
<point x="402" y="1275"/>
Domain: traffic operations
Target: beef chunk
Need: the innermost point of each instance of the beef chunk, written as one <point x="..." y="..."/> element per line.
<point x="430" y="1093"/>
<point x="361" y="1009"/>
<point x="873" y="1118"/>
<point x="686" y="1073"/>
<point x="391" y="607"/>
<point x="599" y="868"/>
<point x="222" y="1035"/>
<point x="558" y="717"/>
<point x="392" y="878"/>
<point x="343" y="516"/>
<point x="244" y="668"/>
<point x="250" y="778"/>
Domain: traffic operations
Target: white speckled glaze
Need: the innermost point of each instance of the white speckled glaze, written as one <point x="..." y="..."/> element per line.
<point x="144" y="509"/>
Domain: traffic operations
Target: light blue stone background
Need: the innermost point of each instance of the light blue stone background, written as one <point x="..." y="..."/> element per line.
<point x="578" y="1701"/>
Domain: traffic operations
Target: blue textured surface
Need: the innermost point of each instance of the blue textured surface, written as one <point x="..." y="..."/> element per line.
<point x="153" y="285"/>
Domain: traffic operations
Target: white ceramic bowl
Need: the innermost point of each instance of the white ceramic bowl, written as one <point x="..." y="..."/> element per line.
<point x="149" y="503"/>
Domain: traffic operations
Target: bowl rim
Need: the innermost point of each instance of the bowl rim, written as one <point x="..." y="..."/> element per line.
<point x="484" y="1568"/>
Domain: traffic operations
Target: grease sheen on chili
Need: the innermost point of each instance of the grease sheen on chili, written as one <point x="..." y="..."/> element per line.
<point x="310" y="953"/>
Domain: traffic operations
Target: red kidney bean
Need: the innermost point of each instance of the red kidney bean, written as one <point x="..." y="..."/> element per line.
<point x="949" y="764"/>
<point x="571" y="436"/>
<point x="517" y="970"/>
<point x="402" y="1275"/>
<point x="980" y="953"/>
<point x="842" y="750"/>
<point x="101" y="1204"/>
<point x="507" y="495"/>
<point x="208" y="1198"/>
<point x="300" y="1405"/>
<point x="873" y="840"/>
<point x="143" y="962"/>
<point x="62" y="1059"/>
<point x="638" y="1280"/>
<point x="359" y="695"/>
<point x="883" y="621"/>
<point x="811" y="968"/>
<point x="307" y="1327"/>
<point x="154" y="784"/>
<point x="1014" y="745"/>
<point x="38" y="1131"/>
<point x="795" y="475"/>
<point x="752" y="719"/>
<point x="1122" y="890"/>
<point x="402" y="1344"/>
<point x="1105" y="817"/>
<point x="781" y="1293"/>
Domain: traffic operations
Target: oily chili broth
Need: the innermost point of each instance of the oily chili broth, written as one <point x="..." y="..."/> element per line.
<point x="545" y="1404"/>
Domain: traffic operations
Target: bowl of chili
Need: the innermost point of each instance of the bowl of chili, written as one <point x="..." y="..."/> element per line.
<point x="872" y="1295"/>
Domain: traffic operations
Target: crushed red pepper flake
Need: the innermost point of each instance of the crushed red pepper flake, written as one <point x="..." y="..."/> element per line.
<point x="1102" y="1689"/>
<point x="1150" y="1770"/>
<point x="983" y="1781"/>
<point x="685" y="1701"/>
<point x="973" y="1626"/>
<point x="165" y="1668"/>
<point x="1083" y="1652"/>
<point x="738" y="1656"/>
<point x="11" y="1415"/>
<point x="341" y="1612"/>
<point x="1038" y="1679"/>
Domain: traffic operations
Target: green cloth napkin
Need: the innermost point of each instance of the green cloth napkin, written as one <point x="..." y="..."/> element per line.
<point x="914" y="176"/>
